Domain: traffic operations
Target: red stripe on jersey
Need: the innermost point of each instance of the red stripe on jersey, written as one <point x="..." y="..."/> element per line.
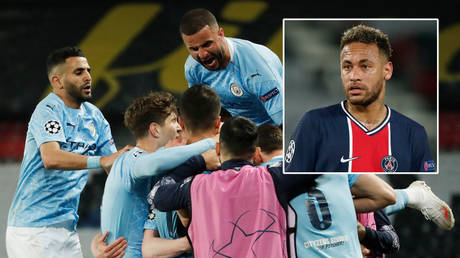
<point x="369" y="148"/>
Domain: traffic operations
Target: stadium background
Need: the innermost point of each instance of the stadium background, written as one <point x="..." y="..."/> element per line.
<point x="135" y="47"/>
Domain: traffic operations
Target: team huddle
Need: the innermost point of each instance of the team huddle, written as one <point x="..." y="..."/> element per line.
<point x="198" y="184"/>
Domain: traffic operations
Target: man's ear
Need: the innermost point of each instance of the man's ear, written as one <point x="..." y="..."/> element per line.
<point x="387" y="70"/>
<point x="220" y="32"/>
<point x="217" y="125"/>
<point x="154" y="130"/>
<point x="56" y="81"/>
<point x="257" y="157"/>
<point x="218" y="148"/>
<point x="181" y="122"/>
<point x="56" y="76"/>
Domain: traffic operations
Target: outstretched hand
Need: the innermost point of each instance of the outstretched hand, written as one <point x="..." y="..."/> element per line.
<point x="107" y="161"/>
<point x="366" y="252"/>
<point x="361" y="231"/>
<point x="211" y="159"/>
<point x="100" y="249"/>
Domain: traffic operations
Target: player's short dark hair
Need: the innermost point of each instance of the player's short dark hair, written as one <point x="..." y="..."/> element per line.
<point x="224" y="115"/>
<point x="199" y="108"/>
<point x="152" y="108"/>
<point x="59" y="56"/>
<point x="368" y="35"/>
<point x="238" y="136"/>
<point x="270" y="138"/>
<point x="195" y="19"/>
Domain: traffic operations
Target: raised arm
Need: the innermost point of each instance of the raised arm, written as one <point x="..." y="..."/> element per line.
<point x="55" y="158"/>
<point x="161" y="161"/>
<point x="371" y="193"/>
<point x="174" y="196"/>
<point x="208" y="160"/>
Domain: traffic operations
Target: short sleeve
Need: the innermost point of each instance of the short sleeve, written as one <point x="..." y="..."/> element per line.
<point x="302" y="148"/>
<point x="270" y="94"/>
<point x="189" y="73"/>
<point x="106" y="145"/>
<point x="46" y="124"/>
<point x="422" y="158"/>
<point x="352" y="179"/>
<point x="151" y="224"/>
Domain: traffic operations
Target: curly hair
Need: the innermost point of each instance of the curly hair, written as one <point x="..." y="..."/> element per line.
<point x="368" y="35"/>
<point x="153" y="108"/>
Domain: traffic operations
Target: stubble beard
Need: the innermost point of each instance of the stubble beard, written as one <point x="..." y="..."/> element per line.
<point x="219" y="57"/>
<point x="366" y="101"/>
<point x="77" y="93"/>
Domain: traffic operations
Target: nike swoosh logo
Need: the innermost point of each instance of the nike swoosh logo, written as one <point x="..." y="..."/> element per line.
<point x="347" y="160"/>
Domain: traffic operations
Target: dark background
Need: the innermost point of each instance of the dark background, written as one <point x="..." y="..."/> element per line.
<point x="153" y="59"/>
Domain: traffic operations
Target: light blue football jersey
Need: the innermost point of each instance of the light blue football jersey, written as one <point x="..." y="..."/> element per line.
<point x="272" y="161"/>
<point x="166" y="225"/>
<point x="124" y="207"/>
<point x="163" y="222"/>
<point x="326" y="223"/>
<point x="251" y="84"/>
<point x="50" y="197"/>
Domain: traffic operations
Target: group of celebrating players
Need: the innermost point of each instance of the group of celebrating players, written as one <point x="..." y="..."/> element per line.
<point x="197" y="184"/>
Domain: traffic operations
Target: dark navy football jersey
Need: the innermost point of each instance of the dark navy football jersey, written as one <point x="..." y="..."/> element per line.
<point x="330" y="139"/>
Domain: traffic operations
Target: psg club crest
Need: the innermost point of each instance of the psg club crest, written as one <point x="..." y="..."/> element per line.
<point x="52" y="127"/>
<point x="389" y="164"/>
<point x="236" y="90"/>
<point x="290" y="151"/>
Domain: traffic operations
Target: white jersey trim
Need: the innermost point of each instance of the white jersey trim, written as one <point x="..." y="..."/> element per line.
<point x="389" y="139"/>
<point x="368" y="132"/>
<point x="350" y="145"/>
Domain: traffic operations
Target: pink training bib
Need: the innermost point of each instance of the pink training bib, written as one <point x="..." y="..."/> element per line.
<point x="237" y="214"/>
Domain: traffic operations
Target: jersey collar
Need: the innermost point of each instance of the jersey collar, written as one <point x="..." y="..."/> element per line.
<point x="368" y="132"/>
<point x="231" y="48"/>
<point x="235" y="164"/>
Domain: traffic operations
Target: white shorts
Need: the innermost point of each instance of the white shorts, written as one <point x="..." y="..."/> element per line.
<point x="42" y="242"/>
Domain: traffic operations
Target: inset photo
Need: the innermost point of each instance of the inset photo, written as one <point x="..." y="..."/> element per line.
<point x="361" y="95"/>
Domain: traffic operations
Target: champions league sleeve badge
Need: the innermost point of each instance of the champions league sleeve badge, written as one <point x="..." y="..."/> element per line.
<point x="272" y="93"/>
<point x="389" y="164"/>
<point x="236" y="90"/>
<point x="290" y="151"/>
<point x="53" y="127"/>
<point x="429" y="165"/>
